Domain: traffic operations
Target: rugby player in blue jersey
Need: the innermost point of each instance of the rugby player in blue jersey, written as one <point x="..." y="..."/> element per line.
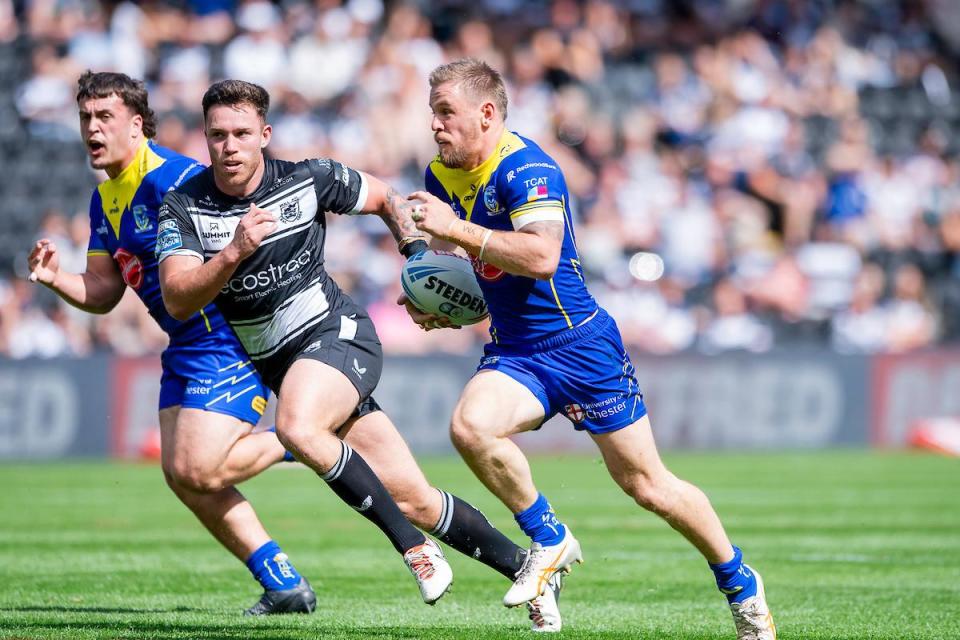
<point x="501" y="198"/>
<point x="210" y="395"/>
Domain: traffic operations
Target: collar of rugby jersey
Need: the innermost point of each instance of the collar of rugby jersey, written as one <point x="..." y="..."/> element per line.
<point x="116" y="194"/>
<point x="463" y="186"/>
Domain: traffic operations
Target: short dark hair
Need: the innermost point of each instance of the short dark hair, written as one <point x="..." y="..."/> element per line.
<point x="237" y="92"/>
<point x="480" y="80"/>
<point x="132" y="92"/>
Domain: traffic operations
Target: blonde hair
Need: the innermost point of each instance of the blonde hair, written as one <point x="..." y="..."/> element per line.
<point x="480" y="80"/>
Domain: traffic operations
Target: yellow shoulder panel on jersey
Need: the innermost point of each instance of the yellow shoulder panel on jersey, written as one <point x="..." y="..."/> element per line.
<point x="464" y="186"/>
<point x="117" y="193"/>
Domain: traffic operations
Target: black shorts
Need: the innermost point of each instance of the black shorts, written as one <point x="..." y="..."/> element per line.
<point x="348" y="343"/>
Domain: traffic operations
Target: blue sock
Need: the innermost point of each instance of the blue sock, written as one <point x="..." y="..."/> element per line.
<point x="734" y="579"/>
<point x="540" y="522"/>
<point x="270" y="566"/>
<point x="287" y="456"/>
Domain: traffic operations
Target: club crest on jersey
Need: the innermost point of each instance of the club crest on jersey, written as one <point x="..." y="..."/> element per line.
<point x="490" y="200"/>
<point x="141" y="219"/>
<point x="575" y="412"/>
<point x="290" y="211"/>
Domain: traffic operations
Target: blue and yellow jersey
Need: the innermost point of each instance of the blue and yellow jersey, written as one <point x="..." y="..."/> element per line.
<point x="123" y="225"/>
<point x="519" y="184"/>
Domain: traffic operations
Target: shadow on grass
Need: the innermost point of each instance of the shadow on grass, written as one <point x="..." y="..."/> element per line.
<point x="160" y="631"/>
<point x="260" y="631"/>
<point x="68" y="609"/>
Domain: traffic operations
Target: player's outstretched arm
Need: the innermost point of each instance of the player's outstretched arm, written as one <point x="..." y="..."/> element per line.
<point x="396" y="211"/>
<point x="188" y="284"/>
<point x="533" y="251"/>
<point x="97" y="290"/>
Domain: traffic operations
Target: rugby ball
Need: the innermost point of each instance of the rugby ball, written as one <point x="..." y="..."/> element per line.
<point x="444" y="284"/>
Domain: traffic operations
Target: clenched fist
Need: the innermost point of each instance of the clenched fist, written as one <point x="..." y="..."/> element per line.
<point x="254" y="226"/>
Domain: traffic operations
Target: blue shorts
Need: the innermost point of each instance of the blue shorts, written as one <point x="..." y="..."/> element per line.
<point x="213" y="373"/>
<point x="585" y="373"/>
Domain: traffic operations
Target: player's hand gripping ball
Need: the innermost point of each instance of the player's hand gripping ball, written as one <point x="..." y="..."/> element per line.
<point x="443" y="284"/>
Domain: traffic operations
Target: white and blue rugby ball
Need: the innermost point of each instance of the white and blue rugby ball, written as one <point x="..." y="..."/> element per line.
<point x="444" y="284"/>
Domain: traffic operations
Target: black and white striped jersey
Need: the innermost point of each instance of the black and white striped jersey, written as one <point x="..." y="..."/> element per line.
<point x="282" y="291"/>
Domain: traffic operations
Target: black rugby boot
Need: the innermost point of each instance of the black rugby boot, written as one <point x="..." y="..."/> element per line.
<point x="300" y="599"/>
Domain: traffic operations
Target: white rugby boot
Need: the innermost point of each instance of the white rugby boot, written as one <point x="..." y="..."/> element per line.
<point x="539" y="566"/>
<point x="752" y="616"/>
<point x="545" y="609"/>
<point x="433" y="573"/>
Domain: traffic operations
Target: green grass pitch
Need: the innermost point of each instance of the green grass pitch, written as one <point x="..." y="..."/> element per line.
<point x="851" y="545"/>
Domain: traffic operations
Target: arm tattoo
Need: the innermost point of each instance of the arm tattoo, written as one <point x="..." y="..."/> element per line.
<point x="473" y="231"/>
<point x="545" y="228"/>
<point x="399" y="210"/>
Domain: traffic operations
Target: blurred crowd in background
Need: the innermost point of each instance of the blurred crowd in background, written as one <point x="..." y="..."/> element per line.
<point x="745" y="175"/>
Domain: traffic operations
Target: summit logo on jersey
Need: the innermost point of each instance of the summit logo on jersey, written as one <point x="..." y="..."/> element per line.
<point x="214" y="231"/>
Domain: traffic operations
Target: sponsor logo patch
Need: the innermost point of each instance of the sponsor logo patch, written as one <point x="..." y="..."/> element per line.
<point x="168" y="238"/>
<point x="575" y="412"/>
<point x="486" y="271"/>
<point x="130" y="268"/>
<point x="606" y="408"/>
<point x="267" y="280"/>
<point x="536" y="192"/>
<point x="214" y="231"/>
<point x="545" y="165"/>
<point x="259" y="404"/>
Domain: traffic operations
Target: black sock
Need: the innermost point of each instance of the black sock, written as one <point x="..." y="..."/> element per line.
<point x="357" y="485"/>
<point x="464" y="528"/>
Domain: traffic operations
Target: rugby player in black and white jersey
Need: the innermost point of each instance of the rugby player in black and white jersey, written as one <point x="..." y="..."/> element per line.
<point x="248" y="233"/>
